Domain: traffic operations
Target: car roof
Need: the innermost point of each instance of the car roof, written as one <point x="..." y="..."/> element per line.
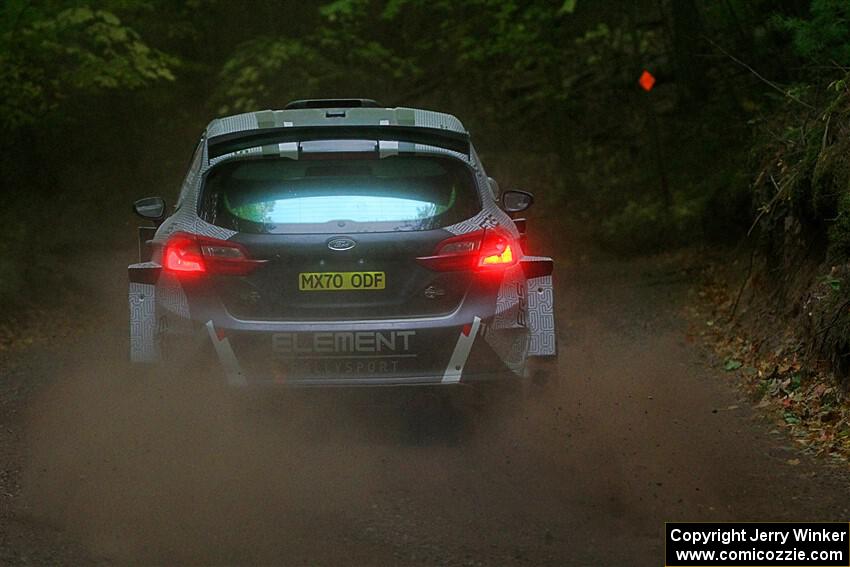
<point x="334" y="116"/>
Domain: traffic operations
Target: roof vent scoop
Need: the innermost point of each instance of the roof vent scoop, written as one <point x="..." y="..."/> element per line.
<point x="332" y="103"/>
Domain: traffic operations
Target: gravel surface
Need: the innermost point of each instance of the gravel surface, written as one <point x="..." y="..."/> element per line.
<point x="102" y="465"/>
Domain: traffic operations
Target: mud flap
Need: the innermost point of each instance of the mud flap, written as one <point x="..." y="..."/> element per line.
<point x="454" y="370"/>
<point x="541" y="306"/>
<point x="226" y="357"/>
<point x="144" y="346"/>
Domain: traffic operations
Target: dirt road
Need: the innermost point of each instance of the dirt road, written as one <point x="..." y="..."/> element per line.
<point x="102" y="467"/>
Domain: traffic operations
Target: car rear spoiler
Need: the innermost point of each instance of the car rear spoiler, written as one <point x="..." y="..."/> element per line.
<point x="448" y="139"/>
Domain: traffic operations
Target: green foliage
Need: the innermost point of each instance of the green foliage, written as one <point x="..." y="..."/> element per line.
<point x="338" y="59"/>
<point x="259" y="68"/>
<point x="346" y="9"/>
<point x="76" y="51"/>
<point x="553" y="76"/>
<point x="833" y="282"/>
<point x="839" y="232"/>
<point x="541" y="77"/>
<point x="444" y="50"/>
<point x="568" y="7"/>
<point x="824" y="37"/>
<point x="806" y="170"/>
<point x="642" y="227"/>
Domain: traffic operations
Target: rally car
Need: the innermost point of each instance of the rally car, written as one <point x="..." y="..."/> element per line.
<point x="340" y="243"/>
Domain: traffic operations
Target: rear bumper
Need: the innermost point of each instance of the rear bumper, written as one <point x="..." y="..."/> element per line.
<point x="486" y="338"/>
<point x="374" y="382"/>
<point x="408" y="356"/>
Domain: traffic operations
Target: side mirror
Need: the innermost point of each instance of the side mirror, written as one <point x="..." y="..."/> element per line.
<point x="150" y="208"/>
<point x="515" y="201"/>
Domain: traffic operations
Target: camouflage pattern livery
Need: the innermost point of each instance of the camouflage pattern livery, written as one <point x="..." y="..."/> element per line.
<point x="517" y="323"/>
<point x="144" y="344"/>
<point x="541" y="317"/>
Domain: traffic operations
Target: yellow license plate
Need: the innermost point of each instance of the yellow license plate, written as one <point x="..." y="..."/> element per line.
<point x="335" y="281"/>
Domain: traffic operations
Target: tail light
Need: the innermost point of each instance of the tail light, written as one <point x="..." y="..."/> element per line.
<point x="481" y="250"/>
<point x="192" y="254"/>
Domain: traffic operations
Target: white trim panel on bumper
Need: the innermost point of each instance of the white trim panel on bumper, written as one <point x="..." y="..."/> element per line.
<point x="454" y="370"/>
<point x="226" y="357"/>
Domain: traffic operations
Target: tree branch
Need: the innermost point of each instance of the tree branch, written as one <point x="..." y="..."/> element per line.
<point x="758" y="75"/>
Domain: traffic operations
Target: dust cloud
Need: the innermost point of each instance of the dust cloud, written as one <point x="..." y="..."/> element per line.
<point x="146" y="466"/>
<point x="173" y="468"/>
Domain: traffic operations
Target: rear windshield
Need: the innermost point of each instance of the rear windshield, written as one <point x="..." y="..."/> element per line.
<point x="326" y="195"/>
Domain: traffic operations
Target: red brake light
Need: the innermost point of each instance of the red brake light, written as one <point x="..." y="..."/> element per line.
<point x="182" y="254"/>
<point x="191" y="254"/>
<point x="497" y="251"/>
<point x="455" y="253"/>
<point x="481" y="250"/>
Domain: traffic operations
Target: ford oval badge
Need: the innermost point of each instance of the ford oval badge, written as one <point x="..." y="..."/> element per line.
<point x="341" y="243"/>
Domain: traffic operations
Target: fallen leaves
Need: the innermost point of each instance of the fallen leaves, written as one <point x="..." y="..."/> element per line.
<point x="768" y="359"/>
